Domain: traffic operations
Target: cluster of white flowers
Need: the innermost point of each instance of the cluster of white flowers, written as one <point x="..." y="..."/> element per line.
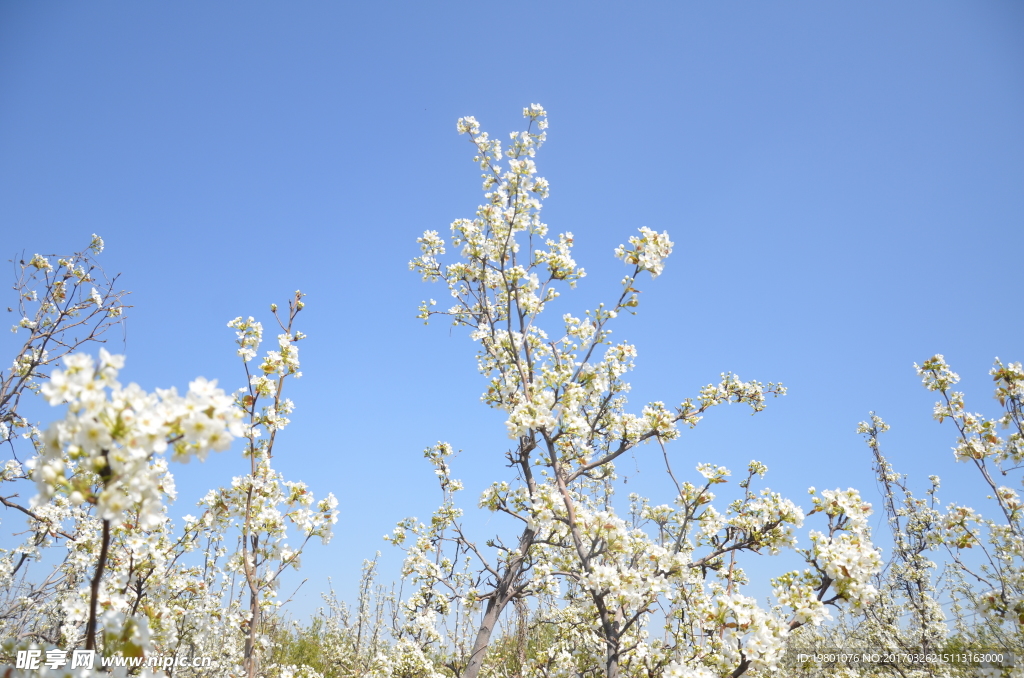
<point x="648" y="251"/>
<point x="799" y="592"/>
<point x="678" y="670"/>
<point x="748" y="632"/>
<point x="847" y="555"/>
<point x="532" y="414"/>
<point x="110" y="434"/>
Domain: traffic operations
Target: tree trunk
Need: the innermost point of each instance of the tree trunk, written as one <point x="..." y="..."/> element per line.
<point x="612" y="666"/>
<point x="504" y="592"/>
<point x="483" y="637"/>
<point x="250" y="653"/>
<point x="612" y="626"/>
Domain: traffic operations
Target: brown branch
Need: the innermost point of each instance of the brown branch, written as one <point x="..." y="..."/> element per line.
<point x="35" y="516"/>
<point x="90" y="638"/>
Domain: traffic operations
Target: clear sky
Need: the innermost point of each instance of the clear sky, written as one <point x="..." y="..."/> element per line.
<point x="844" y="183"/>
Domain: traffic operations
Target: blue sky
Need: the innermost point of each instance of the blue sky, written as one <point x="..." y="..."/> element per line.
<point x="844" y="183"/>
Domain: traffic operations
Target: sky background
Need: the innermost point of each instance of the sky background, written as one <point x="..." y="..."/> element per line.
<point x="844" y="184"/>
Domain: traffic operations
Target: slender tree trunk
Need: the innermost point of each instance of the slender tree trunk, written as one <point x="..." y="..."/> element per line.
<point x="611" y="624"/>
<point x="504" y="592"/>
<point x="612" y="665"/>
<point x="483" y="637"/>
<point x="250" y="654"/>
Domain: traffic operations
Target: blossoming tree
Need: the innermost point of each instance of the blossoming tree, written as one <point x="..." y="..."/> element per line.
<point x="980" y="584"/>
<point x="64" y="304"/>
<point x="131" y="583"/>
<point x="564" y="395"/>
